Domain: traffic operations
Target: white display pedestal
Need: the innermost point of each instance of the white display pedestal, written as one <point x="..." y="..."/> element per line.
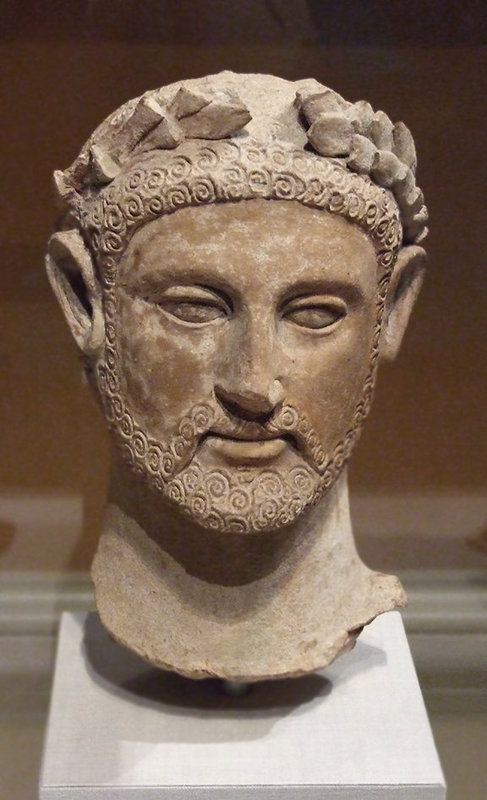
<point x="122" y="730"/>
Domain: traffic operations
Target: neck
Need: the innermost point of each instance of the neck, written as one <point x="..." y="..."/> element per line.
<point x="237" y="606"/>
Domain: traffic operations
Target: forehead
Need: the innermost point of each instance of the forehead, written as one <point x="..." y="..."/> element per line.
<point x="274" y="241"/>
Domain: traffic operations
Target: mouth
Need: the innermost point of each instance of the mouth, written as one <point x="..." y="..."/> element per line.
<point x="241" y="449"/>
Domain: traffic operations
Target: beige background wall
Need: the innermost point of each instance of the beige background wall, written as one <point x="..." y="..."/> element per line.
<point x="64" y="66"/>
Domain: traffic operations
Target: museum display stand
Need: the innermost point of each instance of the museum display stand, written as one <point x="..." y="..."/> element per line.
<point x="121" y="729"/>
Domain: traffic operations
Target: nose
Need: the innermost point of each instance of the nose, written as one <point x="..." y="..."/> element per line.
<point x="248" y="385"/>
<point x="251" y="404"/>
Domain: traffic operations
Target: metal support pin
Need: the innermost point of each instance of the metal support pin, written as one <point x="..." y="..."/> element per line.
<point x="235" y="688"/>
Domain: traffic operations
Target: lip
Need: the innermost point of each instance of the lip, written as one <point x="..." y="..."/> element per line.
<point x="246" y="451"/>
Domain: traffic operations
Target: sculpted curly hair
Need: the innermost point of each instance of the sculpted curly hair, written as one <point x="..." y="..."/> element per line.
<point x="218" y="139"/>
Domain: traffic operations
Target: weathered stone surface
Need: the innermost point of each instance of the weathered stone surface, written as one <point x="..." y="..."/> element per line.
<point x="315" y="103"/>
<point x="362" y="154"/>
<point x="232" y="289"/>
<point x="331" y="135"/>
<point x="387" y="169"/>
<point x="404" y="147"/>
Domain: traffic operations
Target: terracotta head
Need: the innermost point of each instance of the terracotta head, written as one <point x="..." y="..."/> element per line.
<point x="235" y="257"/>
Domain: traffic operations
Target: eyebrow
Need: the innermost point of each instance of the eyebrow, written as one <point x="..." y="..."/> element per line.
<point x="155" y="273"/>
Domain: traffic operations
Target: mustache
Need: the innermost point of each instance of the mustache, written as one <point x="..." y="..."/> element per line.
<point x="206" y="419"/>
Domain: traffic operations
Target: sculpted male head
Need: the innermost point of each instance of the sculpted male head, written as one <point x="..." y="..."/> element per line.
<point x="235" y="257"/>
<point x="247" y="250"/>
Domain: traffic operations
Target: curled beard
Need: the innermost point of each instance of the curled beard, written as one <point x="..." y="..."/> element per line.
<point x="240" y="499"/>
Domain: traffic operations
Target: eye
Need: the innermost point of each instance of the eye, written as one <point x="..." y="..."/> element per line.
<point x="195" y="312"/>
<point x="314" y="317"/>
<point x="315" y="313"/>
<point x="197" y="305"/>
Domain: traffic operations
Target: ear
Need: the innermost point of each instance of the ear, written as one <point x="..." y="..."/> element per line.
<point x="72" y="276"/>
<point x="404" y="287"/>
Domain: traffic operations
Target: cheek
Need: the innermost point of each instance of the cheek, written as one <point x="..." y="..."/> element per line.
<point x="329" y="375"/>
<point x="163" y="372"/>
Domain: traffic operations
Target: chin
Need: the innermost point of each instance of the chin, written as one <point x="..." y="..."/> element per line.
<point x="244" y="500"/>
